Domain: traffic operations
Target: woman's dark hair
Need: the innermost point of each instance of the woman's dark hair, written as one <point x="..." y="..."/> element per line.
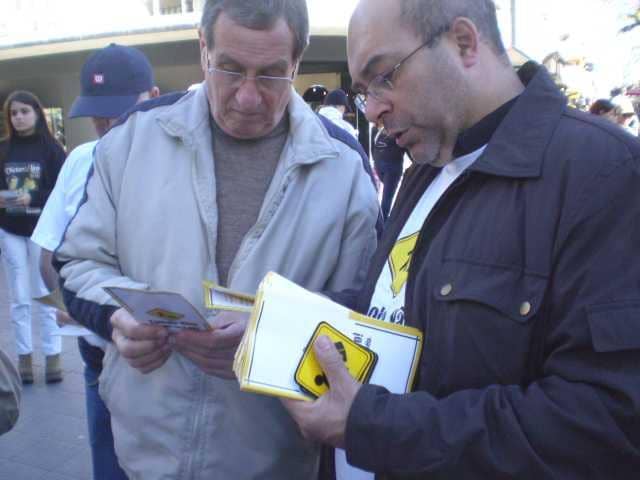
<point x="22" y="96"/>
<point x="601" y="107"/>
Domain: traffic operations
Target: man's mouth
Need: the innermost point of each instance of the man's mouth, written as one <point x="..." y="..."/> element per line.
<point x="399" y="137"/>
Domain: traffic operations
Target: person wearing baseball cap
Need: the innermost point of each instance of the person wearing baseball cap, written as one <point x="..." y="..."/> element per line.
<point x="336" y="104"/>
<point x="113" y="80"/>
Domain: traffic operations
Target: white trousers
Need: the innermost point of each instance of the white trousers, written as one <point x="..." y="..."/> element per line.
<point x="20" y="261"/>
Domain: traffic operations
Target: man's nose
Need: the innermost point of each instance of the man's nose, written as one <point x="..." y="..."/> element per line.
<point x="375" y="108"/>
<point x="248" y="95"/>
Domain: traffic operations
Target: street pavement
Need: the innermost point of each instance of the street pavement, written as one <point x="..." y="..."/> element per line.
<point x="50" y="440"/>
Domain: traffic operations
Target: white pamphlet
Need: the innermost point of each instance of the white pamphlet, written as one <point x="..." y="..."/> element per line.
<point x="167" y="309"/>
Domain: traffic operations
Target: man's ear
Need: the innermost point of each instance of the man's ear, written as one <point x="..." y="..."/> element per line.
<point x="204" y="50"/>
<point x="154" y="92"/>
<point x="466" y="37"/>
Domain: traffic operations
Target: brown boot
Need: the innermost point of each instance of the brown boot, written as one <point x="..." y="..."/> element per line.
<point x="25" y="367"/>
<point x="53" y="371"/>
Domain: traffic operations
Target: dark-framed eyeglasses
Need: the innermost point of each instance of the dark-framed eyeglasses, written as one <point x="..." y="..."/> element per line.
<point x="231" y="79"/>
<point x="382" y="83"/>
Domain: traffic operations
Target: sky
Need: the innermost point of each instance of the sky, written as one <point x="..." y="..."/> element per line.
<point x="583" y="28"/>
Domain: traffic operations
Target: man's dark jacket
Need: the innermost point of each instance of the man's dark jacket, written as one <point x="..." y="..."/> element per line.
<point x="526" y="282"/>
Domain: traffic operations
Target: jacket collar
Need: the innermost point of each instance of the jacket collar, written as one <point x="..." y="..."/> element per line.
<point x="517" y="148"/>
<point x="308" y="141"/>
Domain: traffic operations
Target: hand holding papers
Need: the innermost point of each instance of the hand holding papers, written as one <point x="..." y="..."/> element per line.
<point x="284" y="319"/>
<point x="284" y="326"/>
<point x="213" y="351"/>
<point x="141" y="328"/>
<point x="144" y="347"/>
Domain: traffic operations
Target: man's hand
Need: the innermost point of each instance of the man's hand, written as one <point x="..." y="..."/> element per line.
<point x="63" y="318"/>
<point x="23" y="200"/>
<point x="213" y="351"/>
<point x="325" y="420"/>
<point x="145" y="347"/>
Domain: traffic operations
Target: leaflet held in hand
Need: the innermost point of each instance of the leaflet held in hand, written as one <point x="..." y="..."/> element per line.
<point x="167" y="309"/>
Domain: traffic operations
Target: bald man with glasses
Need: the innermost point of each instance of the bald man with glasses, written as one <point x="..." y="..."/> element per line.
<point x="513" y="246"/>
<point x="228" y="181"/>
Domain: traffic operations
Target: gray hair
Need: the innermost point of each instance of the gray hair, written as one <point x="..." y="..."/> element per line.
<point x="427" y="17"/>
<point x="260" y="15"/>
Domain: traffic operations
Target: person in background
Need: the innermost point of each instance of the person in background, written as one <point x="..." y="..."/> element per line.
<point x="30" y="159"/>
<point x="336" y="104"/>
<point x="113" y="80"/>
<point x="10" y="392"/>
<point x="388" y="160"/>
<point x="627" y="117"/>
<point x="606" y="109"/>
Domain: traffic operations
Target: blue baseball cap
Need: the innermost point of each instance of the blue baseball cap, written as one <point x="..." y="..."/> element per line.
<point x="112" y="80"/>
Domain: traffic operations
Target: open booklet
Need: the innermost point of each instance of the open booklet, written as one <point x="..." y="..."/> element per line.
<point x="286" y="318"/>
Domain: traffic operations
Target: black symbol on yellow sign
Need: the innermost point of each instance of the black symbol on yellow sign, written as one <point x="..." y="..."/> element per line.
<point x="359" y="361"/>
<point x="399" y="262"/>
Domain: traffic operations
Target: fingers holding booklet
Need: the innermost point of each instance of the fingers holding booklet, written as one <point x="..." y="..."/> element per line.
<point x="213" y="351"/>
<point x="145" y="347"/>
<point x="153" y="324"/>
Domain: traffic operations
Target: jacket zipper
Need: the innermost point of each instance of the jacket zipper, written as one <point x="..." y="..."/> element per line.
<point x="261" y="221"/>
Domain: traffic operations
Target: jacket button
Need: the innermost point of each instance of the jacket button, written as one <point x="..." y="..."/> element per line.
<point x="446" y="290"/>
<point x="525" y="309"/>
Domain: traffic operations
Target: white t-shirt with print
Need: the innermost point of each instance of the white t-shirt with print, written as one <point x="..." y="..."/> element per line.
<point x="388" y="299"/>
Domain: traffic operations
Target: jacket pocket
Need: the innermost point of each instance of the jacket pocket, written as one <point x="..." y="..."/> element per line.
<point x="482" y="323"/>
<point x="615" y="327"/>
<point x="509" y="291"/>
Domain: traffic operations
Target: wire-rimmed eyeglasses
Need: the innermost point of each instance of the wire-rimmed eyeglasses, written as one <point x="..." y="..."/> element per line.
<point x="231" y="79"/>
<point x="382" y="83"/>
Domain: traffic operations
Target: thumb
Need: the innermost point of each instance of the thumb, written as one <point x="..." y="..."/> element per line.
<point x="330" y="360"/>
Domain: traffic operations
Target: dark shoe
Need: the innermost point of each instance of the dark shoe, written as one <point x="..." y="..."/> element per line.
<point x="53" y="371"/>
<point x="25" y="367"/>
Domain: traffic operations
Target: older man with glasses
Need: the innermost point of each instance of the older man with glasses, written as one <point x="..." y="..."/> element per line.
<point x="513" y="246"/>
<point x="229" y="181"/>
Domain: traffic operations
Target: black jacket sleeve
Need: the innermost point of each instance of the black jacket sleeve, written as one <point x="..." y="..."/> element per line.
<point x="96" y="318"/>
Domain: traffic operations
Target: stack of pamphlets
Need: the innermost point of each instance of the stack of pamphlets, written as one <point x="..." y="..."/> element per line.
<point x="275" y="355"/>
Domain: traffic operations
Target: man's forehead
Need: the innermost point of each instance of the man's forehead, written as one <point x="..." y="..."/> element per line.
<point x="233" y="39"/>
<point x="375" y="33"/>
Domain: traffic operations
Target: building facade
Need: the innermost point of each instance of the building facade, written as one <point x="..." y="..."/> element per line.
<point x="43" y="45"/>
